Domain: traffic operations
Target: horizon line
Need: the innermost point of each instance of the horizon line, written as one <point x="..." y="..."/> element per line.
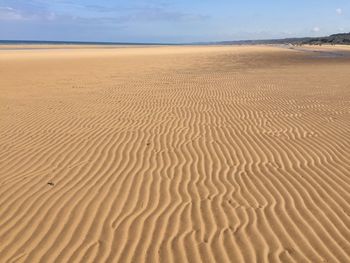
<point x="31" y="41"/>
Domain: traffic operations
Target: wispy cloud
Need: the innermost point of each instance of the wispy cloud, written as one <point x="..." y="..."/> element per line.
<point x="42" y="11"/>
<point x="9" y="14"/>
<point x="25" y="11"/>
<point x="339" y="11"/>
<point x="161" y="14"/>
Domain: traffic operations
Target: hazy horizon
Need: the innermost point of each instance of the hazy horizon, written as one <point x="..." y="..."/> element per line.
<point x="160" y="21"/>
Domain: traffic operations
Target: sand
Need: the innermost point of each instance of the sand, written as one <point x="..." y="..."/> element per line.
<point x="174" y="154"/>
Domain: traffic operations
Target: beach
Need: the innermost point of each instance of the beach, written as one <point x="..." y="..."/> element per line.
<point x="174" y="154"/>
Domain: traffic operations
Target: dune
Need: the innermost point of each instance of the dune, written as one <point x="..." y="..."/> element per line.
<point x="174" y="154"/>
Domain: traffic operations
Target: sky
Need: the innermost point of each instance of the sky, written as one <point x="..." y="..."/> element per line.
<point x="170" y="21"/>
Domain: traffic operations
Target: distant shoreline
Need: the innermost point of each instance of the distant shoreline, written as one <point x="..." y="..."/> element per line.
<point x="38" y="42"/>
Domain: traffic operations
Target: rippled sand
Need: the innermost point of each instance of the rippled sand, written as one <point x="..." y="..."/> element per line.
<point x="174" y="154"/>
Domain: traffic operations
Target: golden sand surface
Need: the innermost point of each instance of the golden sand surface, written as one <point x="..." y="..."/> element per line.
<point x="174" y="154"/>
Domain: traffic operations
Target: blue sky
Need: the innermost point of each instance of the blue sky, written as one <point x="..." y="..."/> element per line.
<point x="170" y="21"/>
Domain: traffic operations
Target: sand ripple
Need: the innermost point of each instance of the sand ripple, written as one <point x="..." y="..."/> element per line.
<point x="176" y="154"/>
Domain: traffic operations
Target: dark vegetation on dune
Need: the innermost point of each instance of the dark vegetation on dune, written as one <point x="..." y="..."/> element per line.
<point x="336" y="39"/>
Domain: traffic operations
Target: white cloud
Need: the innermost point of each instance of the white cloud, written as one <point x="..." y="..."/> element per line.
<point x="316" y="29"/>
<point x="339" y="11"/>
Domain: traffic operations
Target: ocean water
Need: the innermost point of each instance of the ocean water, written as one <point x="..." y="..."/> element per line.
<point x="35" y="42"/>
